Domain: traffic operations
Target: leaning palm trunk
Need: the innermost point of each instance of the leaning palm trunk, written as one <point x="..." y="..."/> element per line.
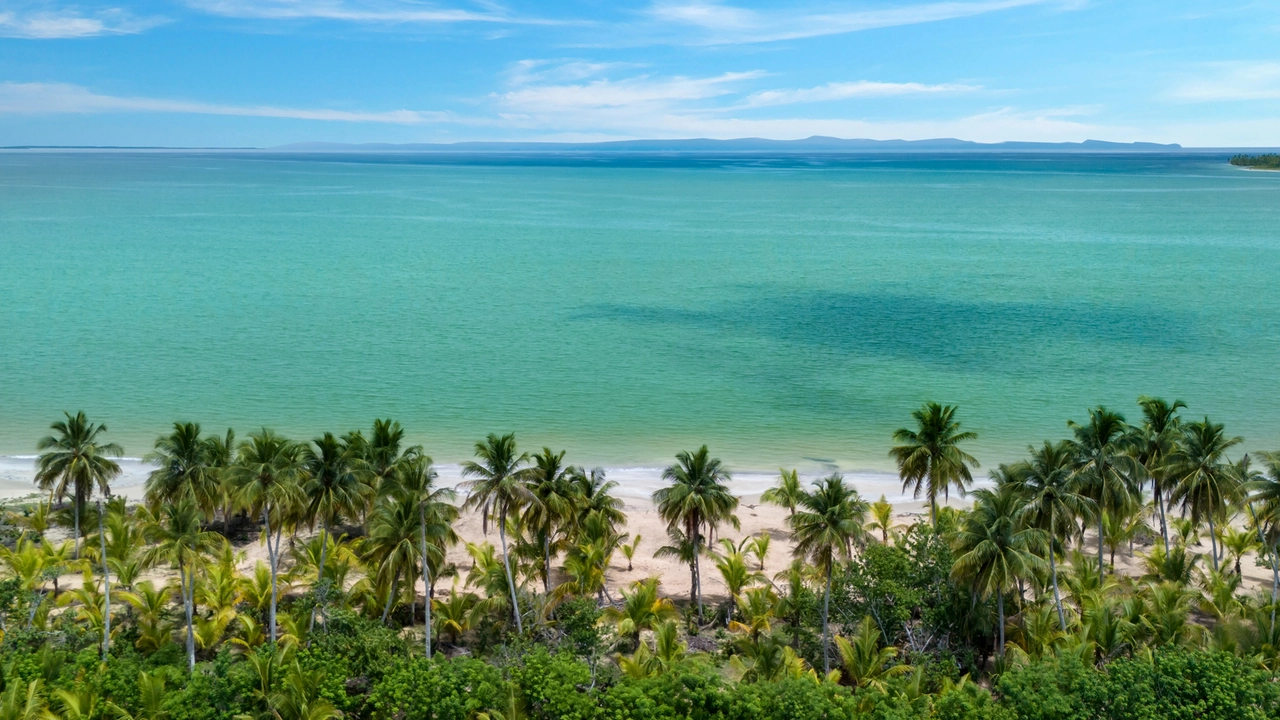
<point x="546" y="563"/>
<point x="1213" y="543"/>
<point x="320" y="586"/>
<point x="184" y="586"/>
<point x="506" y="565"/>
<point x="1000" y="615"/>
<point x="1164" y="526"/>
<point x="1053" y="572"/>
<point x="426" y="580"/>
<point x="1102" y="565"/>
<point x="1275" y="564"/>
<point x="826" y="641"/>
<point x="106" y="589"/>
<point x="271" y="558"/>
<point x="391" y="596"/>
<point x="75" y="541"/>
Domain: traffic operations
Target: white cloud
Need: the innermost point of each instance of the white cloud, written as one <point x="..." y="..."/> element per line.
<point x="1232" y="81"/>
<point x="850" y="90"/>
<point x="358" y="11"/>
<point x="637" y="92"/>
<point x="63" y="98"/>
<point x="724" y="24"/>
<point x="40" y="23"/>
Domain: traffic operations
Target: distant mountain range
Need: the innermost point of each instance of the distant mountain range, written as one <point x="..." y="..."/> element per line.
<point x="816" y="143"/>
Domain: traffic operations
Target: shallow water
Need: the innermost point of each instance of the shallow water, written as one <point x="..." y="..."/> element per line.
<point x="785" y="311"/>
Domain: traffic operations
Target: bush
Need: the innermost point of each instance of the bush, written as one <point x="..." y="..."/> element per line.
<point x="1055" y="688"/>
<point x="1178" y="684"/>
<point x="554" y="687"/>
<point x="438" y="689"/>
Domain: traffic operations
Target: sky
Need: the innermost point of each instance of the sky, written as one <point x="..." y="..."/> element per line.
<point x="261" y="73"/>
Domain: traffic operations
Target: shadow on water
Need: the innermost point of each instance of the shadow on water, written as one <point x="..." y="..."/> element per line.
<point x="986" y="336"/>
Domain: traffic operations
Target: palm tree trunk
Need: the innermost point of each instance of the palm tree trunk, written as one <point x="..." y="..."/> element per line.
<point x="1057" y="594"/>
<point x="933" y="511"/>
<point x="826" y="642"/>
<point x="697" y="568"/>
<point x="426" y="581"/>
<point x="546" y="563"/>
<point x="1102" y="568"/>
<point x="106" y="589"/>
<point x="324" y="546"/>
<point x="1213" y="543"/>
<point x="183" y="585"/>
<point x="1164" y="526"/>
<point x="1275" y="566"/>
<point x="1000" y="611"/>
<point x="75" y="541"/>
<point x="271" y="558"/>
<point x="506" y="565"/>
<point x="391" y="596"/>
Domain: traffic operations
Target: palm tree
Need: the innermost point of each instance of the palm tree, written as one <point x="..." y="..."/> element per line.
<point x="75" y="460"/>
<point x="177" y="538"/>
<point x="1053" y="501"/>
<point x="994" y="548"/>
<point x="1155" y="440"/>
<point x="1203" y="482"/>
<point x="865" y="663"/>
<point x="829" y="522"/>
<point x="882" y="511"/>
<point x="266" y="474"/>
<point x="499" y="492"/>
<point x="551" y="486"/>
<point x="698" y="497"/>
<point x="436" y="515"/>
<point x="184" y="470"/>
<point x="786" y="493"/>
<point x="331" y="489"/>
<point x="642" y="609"/>
<point x="24" y="702"/>
<point x="220" y="455"/>
<point x="1108" y="474"/>
<point x="1264" y="488"/>
<point x="930" y="459"/>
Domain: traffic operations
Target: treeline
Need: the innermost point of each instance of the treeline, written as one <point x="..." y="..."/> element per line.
<point x="1011" y="608"/>
<point x="1268" y="161"/>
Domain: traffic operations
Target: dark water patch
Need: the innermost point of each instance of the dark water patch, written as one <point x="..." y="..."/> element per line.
<point x="985" y="336"/>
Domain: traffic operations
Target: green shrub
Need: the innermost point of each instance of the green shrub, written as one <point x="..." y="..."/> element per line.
<point x="438" y="689"/>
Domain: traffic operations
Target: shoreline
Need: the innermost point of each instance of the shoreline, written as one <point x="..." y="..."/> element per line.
<point x="17" y="473"/>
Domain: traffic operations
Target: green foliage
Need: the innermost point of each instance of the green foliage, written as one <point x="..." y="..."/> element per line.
<point x="550" y="686"/>
<point x="578" y="620"/>
<point x="1267" y="161"/>
<point x="1178" y="684"/>
<point x="1056" y="688"/>
<point x="438" y="689"/>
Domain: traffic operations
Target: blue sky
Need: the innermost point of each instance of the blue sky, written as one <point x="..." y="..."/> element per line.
<point x="268" y="72"/>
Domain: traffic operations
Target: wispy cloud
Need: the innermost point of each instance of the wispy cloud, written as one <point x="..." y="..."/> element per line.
<point x="63" y="98"/>
<point x="850" y="90"/>
<point x="635" y="92"/>
<point x="39" y="21"/>
<point x="1231" y="81"/>
<point x="726" y="24"/>
<point x="359" y="11"/>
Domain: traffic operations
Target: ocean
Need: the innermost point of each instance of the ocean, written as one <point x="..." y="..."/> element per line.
<point x="787" y="311"/>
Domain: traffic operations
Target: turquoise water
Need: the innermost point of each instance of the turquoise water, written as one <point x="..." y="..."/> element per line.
<point x="783" y="310"/>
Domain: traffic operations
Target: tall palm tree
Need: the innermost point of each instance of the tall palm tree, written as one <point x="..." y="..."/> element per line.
<point x="1108" y="473"/>
<point x="1204" y="484"/>
<point x="177" y="538"/>
<point x="1264" y="488"/>
<point x="786" y="493"/>
<point x="436" y="515"/>
<point x="641" y="609"/>
<point x="593" y="494"/>
<point x="75" y="460"/>
<point x="552" y="490"/>
<point x="331" y="489"/>
<point x="930" y="459"/>
<point x="220" y="455"/>
<point x="384" y="454"/>
<point x="1156" y="439"/>
<point x="698" y="498"/>
<point x="183" y="469"/>
<point x="994" y="548"/>
<point x="830" y="520"/>
<point x="1054" y="502"/>
<point x="498" y="490"/>
<point x="267" y="476"/>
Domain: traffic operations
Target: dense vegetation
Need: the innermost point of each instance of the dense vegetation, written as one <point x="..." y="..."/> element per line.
<point x="1269" y="161"/>
<point x="1014" y="608"/>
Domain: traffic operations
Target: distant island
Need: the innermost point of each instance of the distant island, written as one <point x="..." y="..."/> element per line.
<point x="1269" y="161"/>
